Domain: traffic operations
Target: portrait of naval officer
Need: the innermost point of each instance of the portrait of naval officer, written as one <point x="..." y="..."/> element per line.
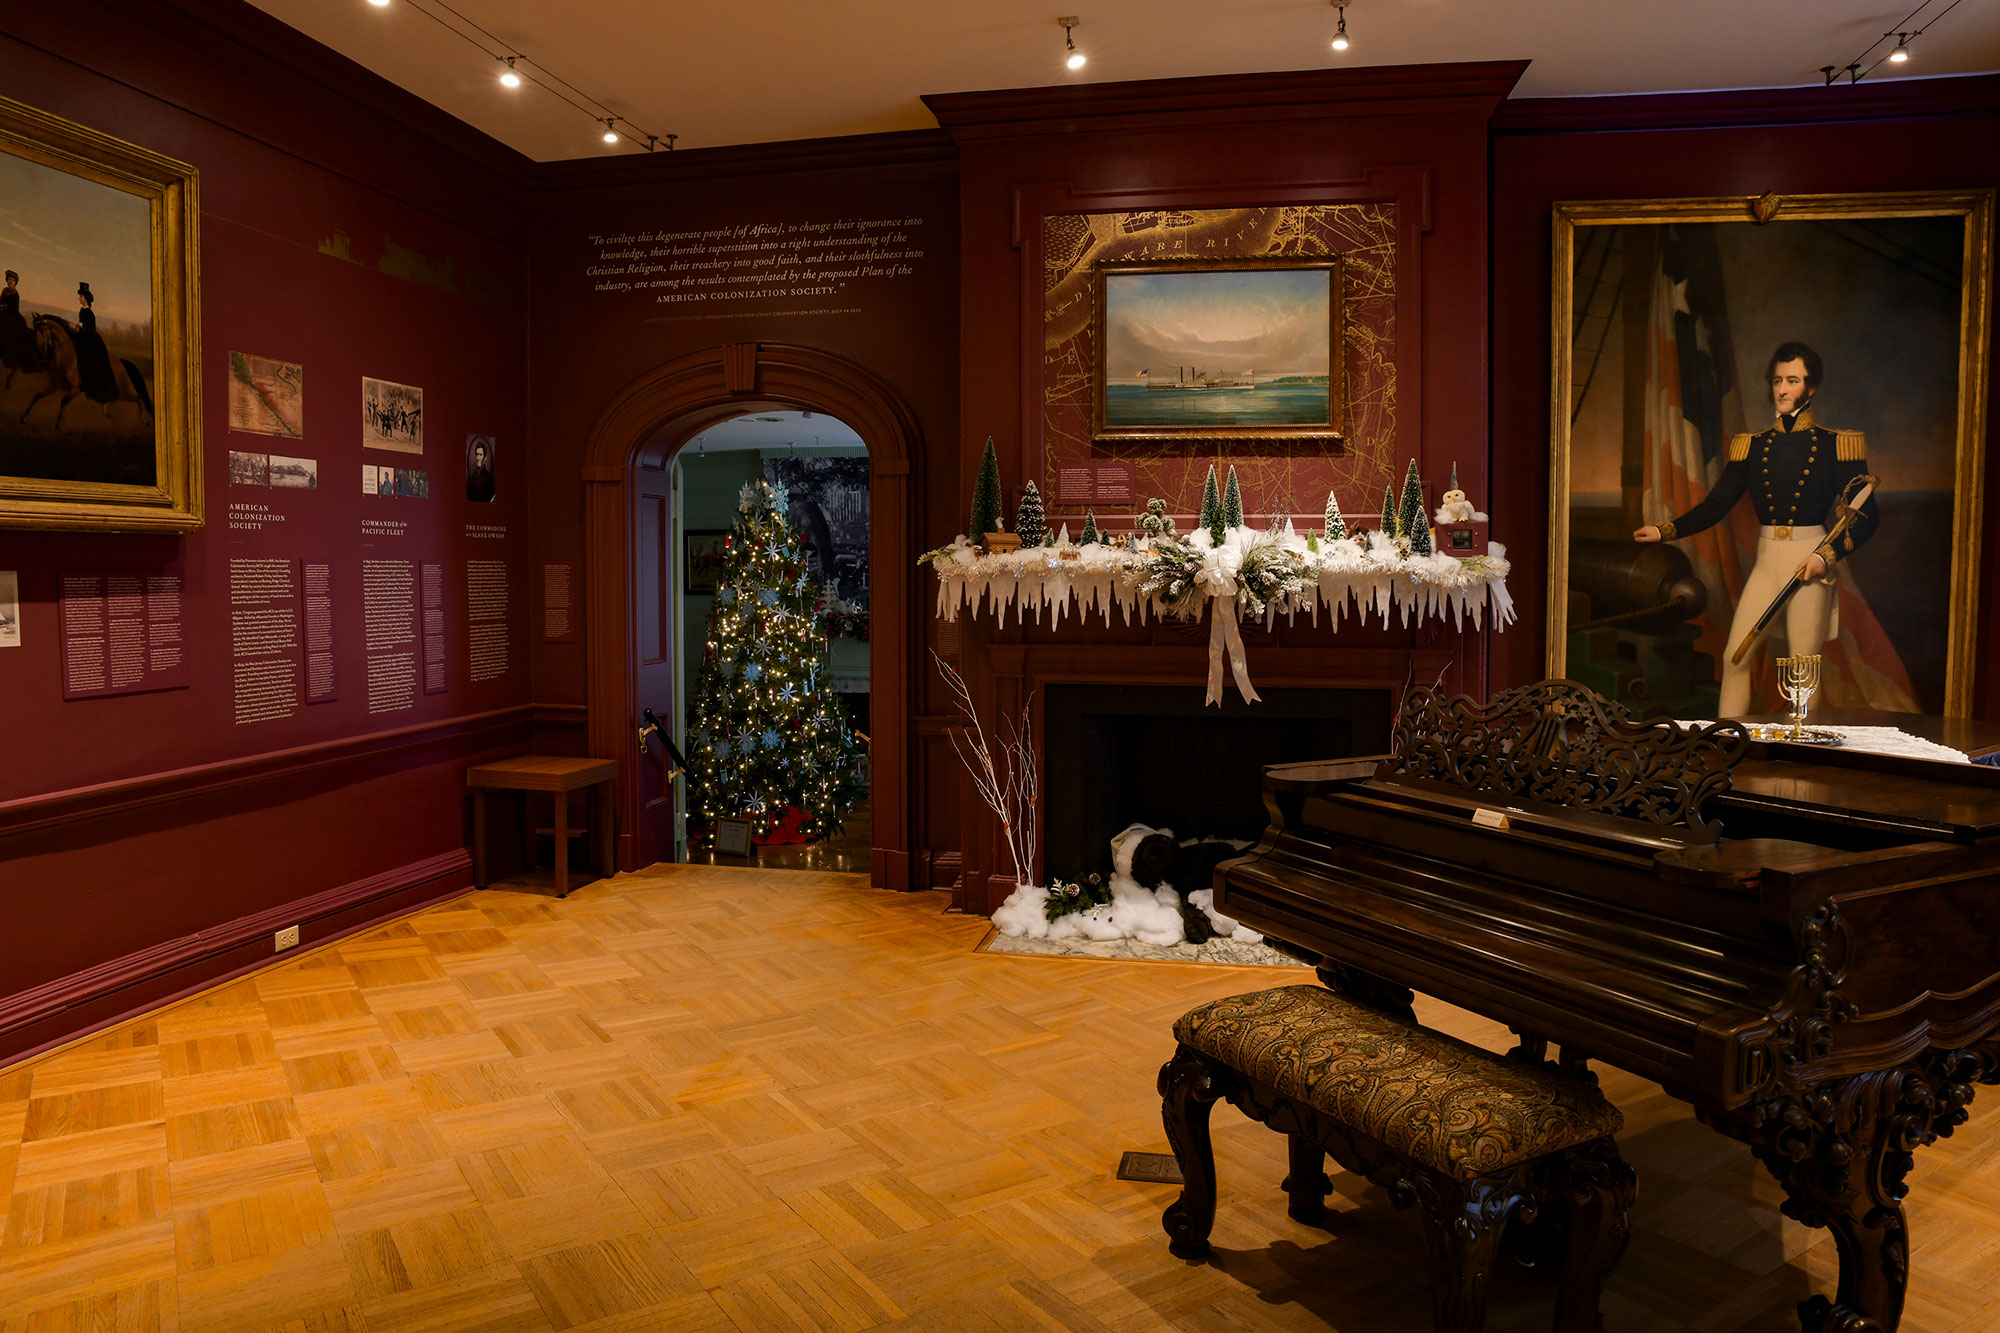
<point x="1794" y="473"/>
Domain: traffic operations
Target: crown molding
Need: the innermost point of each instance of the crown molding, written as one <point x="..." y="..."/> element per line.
<point x="1304" y="95"/>
<point x="899" y="152"/>
<point x="1891" y="99"/>
<point x="236" y="67"/>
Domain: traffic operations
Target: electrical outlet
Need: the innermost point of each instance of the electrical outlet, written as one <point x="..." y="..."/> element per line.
<point x="288" y="938"/>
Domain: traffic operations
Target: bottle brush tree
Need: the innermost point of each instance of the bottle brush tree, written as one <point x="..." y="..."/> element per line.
<point x="985" y="496"/>
<point x="1029" y="521"/>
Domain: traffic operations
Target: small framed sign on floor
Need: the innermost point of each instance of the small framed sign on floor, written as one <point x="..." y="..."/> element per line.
<point x="732" y="837"/>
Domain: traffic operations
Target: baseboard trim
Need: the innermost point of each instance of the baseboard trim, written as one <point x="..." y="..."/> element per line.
<point x="68" y="1007"/>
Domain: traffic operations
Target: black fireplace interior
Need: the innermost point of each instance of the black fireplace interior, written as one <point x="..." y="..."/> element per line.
<point x="1115" y="755"/>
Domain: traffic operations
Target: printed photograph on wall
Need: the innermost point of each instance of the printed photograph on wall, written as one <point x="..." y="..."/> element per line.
<point x="10" y="608"/>
<point x="376" y="480"/>
<point x="266" y="397"/>
<point x="828" y="508"/>
<point x="246" y="469"/>
<point x="300" y="474"/>
<point x="1234" y="348"/>
<point x="480" y="454"/>
<point x="701" y="560"/>
<point x="97" y="334"/>
<point x="392" y="416"/>
<point x="1768" y="400"/>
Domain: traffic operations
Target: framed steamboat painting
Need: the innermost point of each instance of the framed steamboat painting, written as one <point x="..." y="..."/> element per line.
<point x="1723" y="368"/>
<point x="100" y="415"/>
<point x="1203" y="349"/>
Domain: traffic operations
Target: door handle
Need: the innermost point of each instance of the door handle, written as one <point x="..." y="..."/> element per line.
<point x="652" y="726"/>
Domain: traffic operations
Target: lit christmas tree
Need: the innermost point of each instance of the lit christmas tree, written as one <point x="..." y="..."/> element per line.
<point x="767" y="740"/>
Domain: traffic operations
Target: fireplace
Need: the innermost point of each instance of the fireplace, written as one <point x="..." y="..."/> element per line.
<point x="1114" y="755"/>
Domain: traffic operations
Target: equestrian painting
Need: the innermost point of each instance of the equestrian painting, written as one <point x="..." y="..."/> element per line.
<point x="76" y="328"/>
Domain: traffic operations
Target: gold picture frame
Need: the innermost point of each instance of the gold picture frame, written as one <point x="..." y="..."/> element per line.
<point x="1286" y="402"/>
<point x="170" y="498"/>
<point x="1834" y="276"/>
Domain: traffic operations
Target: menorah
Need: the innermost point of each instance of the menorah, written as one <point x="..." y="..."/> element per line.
<point x="1798" y="681"/>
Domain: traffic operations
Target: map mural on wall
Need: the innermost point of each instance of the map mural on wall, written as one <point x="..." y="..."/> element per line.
<point x="1272" y="473"/>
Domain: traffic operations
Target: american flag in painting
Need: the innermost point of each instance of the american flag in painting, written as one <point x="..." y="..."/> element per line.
<point x="1693" y="405"/>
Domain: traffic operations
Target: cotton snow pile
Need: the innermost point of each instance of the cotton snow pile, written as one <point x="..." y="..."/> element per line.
<point x="1151" y="916"/>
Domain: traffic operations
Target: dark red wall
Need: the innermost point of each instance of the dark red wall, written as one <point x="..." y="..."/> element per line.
<point x="587" y="345"/>
<point x="148" y="842"/>
<point x="1414" y="135"/>
<point x="1903" y="135"/>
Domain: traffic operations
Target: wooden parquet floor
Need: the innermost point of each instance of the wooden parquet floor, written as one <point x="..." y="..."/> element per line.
<point x="705" y="1099"/>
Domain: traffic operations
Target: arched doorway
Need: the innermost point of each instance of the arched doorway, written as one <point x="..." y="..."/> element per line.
<point x="626" y="494"/>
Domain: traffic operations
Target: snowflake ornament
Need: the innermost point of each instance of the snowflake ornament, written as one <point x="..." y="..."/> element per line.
<point x="745" y="741"/>
<point x="753" y="672"/>
<point x="772" y="740"/>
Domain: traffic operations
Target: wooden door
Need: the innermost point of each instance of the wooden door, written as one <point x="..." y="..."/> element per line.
<point x="654" y="661"/>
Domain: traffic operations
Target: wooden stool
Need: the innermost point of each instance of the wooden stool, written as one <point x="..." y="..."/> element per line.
<point x="531" y="773"/>
<point x="1475" y="1140"/>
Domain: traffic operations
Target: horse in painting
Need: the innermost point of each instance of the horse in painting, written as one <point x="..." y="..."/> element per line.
<point x="59" y="359"/>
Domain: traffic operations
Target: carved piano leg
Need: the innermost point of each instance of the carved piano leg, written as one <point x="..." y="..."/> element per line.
<point x="1596" y="1187"/>
<point x="1369" y="989"/>
<point x="1190" y="1083"/>
<point x="1306" y="1182"/>
<point x="1841" y="1150"/>
<point x="1462" y="1229"/>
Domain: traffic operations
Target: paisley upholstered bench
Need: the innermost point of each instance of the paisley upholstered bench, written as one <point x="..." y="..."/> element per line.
<point x="1474" y="1139"/>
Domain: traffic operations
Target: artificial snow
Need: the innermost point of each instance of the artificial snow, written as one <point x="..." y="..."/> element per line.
<point x="1151" y="916"/>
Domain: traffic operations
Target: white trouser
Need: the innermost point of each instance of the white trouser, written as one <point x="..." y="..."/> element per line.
<point x="1806" y="615"/>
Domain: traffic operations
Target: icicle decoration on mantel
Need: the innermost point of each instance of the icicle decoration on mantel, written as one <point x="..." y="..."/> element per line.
<point x="1097" y="577"/>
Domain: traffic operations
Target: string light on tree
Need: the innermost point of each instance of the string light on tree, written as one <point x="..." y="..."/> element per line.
<point x="767" y="740"/>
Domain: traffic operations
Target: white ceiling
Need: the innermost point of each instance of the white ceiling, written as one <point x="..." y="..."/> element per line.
<point x="762" y="70"/>
<point x="777" y="432"/>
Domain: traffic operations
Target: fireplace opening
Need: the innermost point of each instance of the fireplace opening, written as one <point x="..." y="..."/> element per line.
<point x="1116" y="755"/>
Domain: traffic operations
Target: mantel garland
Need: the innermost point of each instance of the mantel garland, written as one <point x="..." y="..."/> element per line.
<point x="1251" y="575"/>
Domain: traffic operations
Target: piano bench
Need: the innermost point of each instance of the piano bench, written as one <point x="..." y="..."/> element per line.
<point x="1475" y="1139"/>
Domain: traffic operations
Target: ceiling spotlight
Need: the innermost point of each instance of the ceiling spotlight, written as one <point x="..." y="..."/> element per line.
<point x="611" y="129"/>
<point x="508" y="78"/>
<point x="1902" y="51"/>
<point x="379" y="4"/>
<point x="1075" y="60"/>
<point x="1340" y="33"/>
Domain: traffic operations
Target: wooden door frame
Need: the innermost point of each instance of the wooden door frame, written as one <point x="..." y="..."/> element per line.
<point x="689" y="394"/>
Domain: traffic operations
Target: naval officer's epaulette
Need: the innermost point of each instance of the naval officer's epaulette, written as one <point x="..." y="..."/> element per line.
<point x="1739" y="447"/>
<point x="1849" y="446"/>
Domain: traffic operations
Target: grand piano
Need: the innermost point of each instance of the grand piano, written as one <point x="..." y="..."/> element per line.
<point x="1803" y="943"/>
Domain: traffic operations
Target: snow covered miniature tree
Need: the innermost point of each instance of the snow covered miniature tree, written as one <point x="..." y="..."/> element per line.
<point x="1091" y="536"/>
<point x="1411" y="516"/>
<point x="1336" y="522"/>
<point x="1029" y="521"/>
<point x="985" y="496"/>
<point x="1232" y="502"/>
<point x="1389" y="509"/>
<point x="1211" y="506"/>
<point x="1155" y="522"/>
<point x="767" y="740"/>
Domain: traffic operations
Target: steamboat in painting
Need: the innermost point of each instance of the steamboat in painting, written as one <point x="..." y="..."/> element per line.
<point x="1171" y="336"/>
